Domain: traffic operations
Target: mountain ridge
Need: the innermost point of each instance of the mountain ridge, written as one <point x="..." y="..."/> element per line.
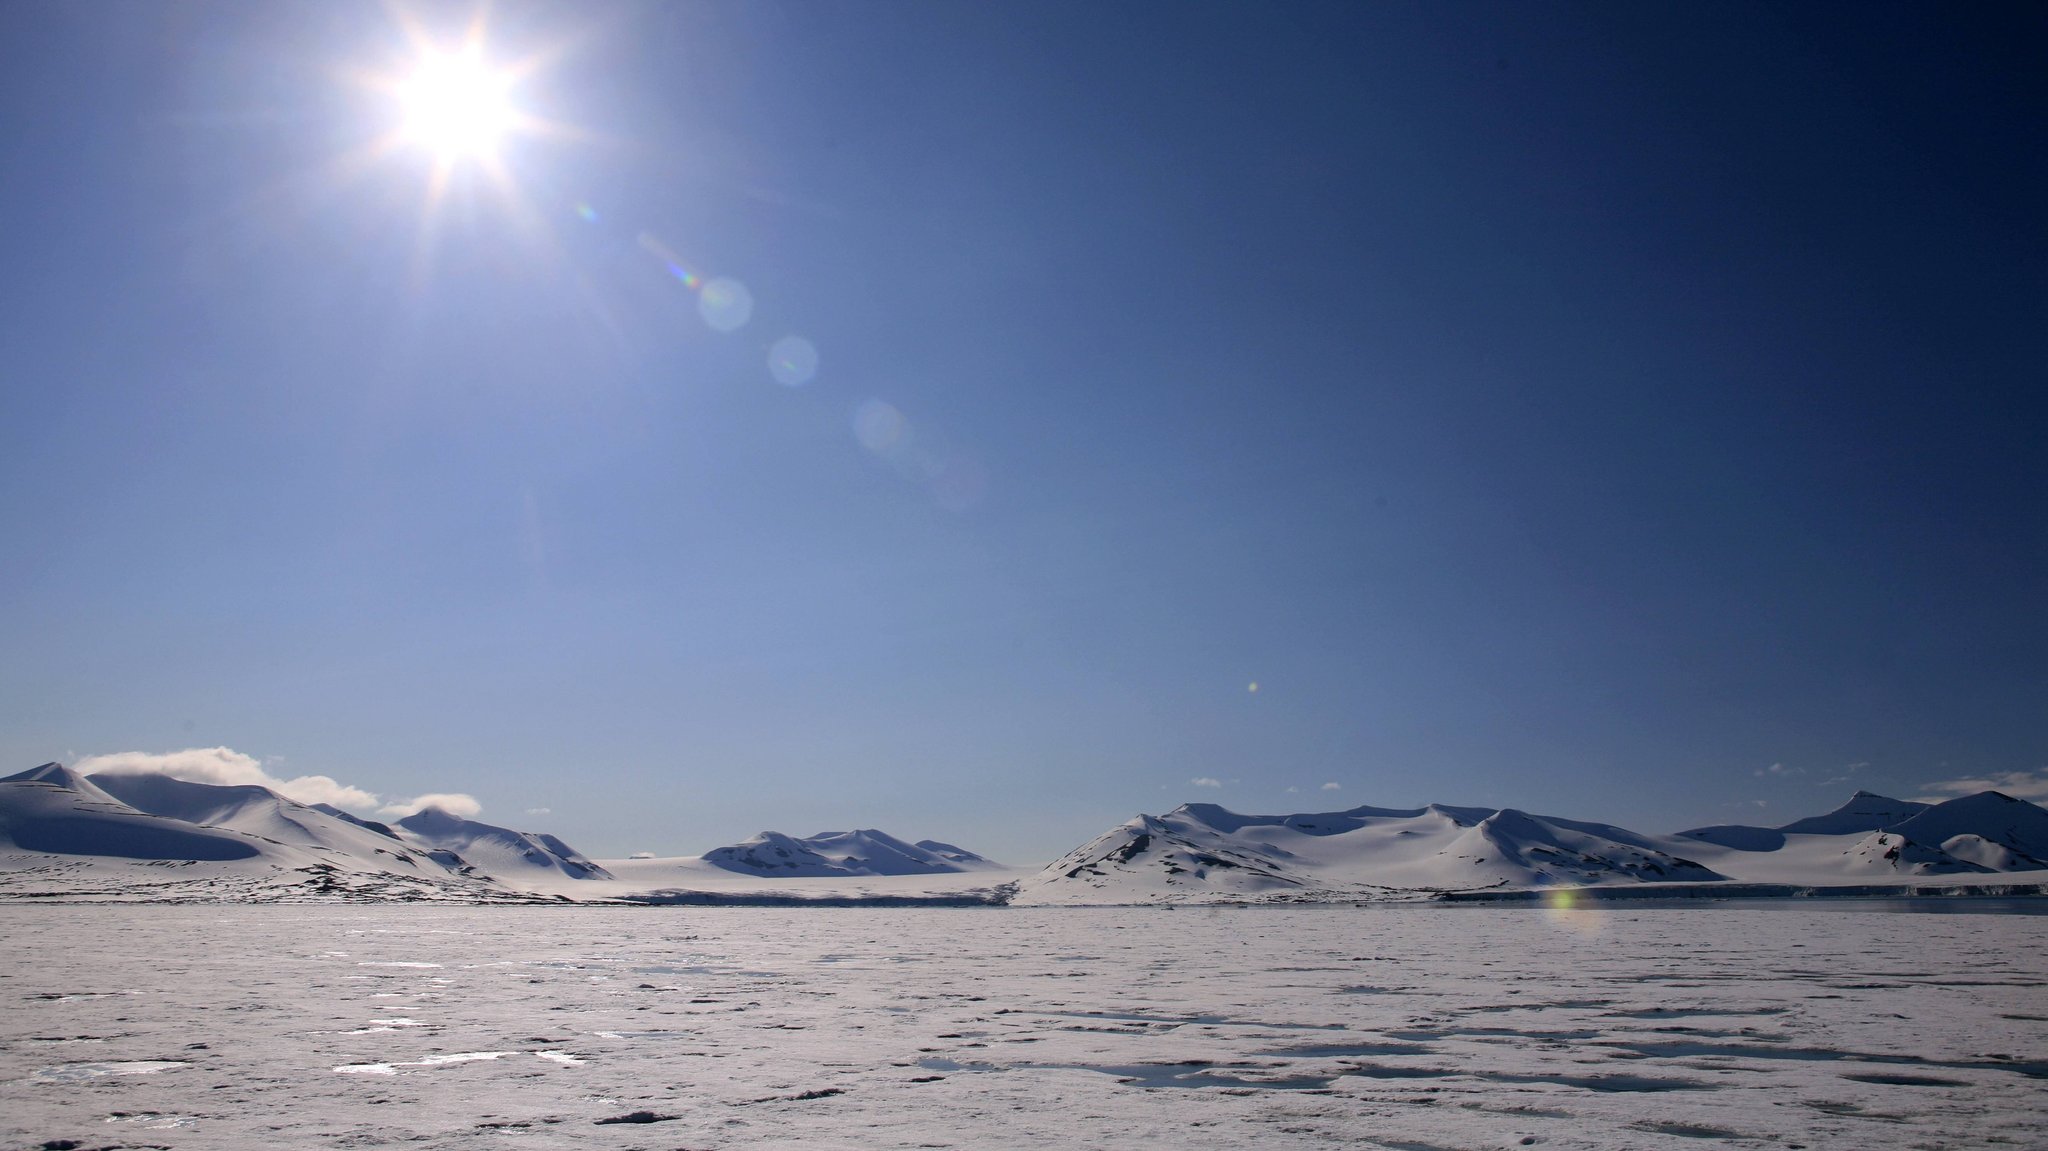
<point x="134" y="833"/>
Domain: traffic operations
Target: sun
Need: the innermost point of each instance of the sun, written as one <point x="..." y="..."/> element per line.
<point x="456" y="106"/>
<point x="453" y="107"/>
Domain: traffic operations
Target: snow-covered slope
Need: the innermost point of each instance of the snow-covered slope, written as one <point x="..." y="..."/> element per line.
<point x="1990" y="828"/>
<point x="1865" y="811"/>
<point x="1875" y="837"/>
<point x="1202" y="850"/>
<point x="66" y="836"/>
<point x="54" y="810"/>
<point x="261" y="812"/>
<point x="862" y="852"/>
<point x="151" y="836"/>
<point x="499" y="852"/>
<point x="148" y="836"/>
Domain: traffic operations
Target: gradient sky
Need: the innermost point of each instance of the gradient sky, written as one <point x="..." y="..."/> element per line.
<point x="1584" y="408"/>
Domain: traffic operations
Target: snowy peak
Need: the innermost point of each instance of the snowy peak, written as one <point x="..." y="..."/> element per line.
<point x="1876" y="834"/>
<point x="1202" y="850"/>
<point x="497" y="851"/>
<point x="56" y="775"/>
<point x="1865" y="811"/>
<point x="861" y="852"/>
<point x="337" y="838"/>
<point x="53" y="810"/>
<point x="1986" y="820"/>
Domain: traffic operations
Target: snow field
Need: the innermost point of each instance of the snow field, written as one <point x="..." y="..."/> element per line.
<point x="1399" y="1026"/>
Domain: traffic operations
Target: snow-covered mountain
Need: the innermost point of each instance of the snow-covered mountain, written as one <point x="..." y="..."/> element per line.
<point x="1874" y="836"/>
<point x="153" y="836"/>
<point x="54" y="810"/>
<point x="496" y="851"/>
<point x="1200" y="849"/>
<point x="1866" y="811"/>
<point x="264" y="814"/>
<point x="861" y="852"/>
<point x="149" y="836"/>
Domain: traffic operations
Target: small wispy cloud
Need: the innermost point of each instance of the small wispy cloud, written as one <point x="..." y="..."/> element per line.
<point x="226" y="767"/>
<point x="1333" y="785"/>
<point x="1779" y="769"/>
<point x="2030" y="785"/>
<point x="540" y="811"/>
<point x="1849" y="771"/>
<point x="453" y="802"/>
<point x="1206" y="781"/>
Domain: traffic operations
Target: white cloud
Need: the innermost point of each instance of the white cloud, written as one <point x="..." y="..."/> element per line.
<point x="1333" y="785"/>
<point x="224" y="766"/>
<point x="2032" y="785"/>
<point x="540" y="811"/>
<point x="1292" y="790"/>
<point x="1205" y="781"/>
<point x="453" y="802"/>
<point x="641" y="855"/>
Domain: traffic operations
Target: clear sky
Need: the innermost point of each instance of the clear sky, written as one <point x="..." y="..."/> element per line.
<point x="1627" y="411"/>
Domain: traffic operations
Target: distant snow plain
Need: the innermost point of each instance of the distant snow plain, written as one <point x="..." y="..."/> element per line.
<point x="1801" y="1025"/>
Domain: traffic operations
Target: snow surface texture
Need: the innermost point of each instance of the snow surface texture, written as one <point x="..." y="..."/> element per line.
<point x="1409" y="1027"/>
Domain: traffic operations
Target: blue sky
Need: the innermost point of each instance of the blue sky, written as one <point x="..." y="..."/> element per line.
<point x="1584" y="408"/>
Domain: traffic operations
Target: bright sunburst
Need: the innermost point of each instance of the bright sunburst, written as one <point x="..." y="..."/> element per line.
<point x="457" y="106"/>
<point x="454" y="108"/>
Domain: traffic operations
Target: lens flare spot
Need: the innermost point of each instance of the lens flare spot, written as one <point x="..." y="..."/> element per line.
<point x="1252" y="687"/>
<point x="725" y="304"/>
<point x="880" y="428"/>
<point x="960" y="484"/>
<point x="793" y="361"/>
<point x="652" y="245"/>
<point x="586" y="213"/>
<point x="1564" y="908"/>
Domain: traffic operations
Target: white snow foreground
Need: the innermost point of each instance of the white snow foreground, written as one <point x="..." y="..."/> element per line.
<point x="1384" y="1026"/>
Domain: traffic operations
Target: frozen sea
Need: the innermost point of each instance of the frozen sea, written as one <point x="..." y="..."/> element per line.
<point x="662" y="1028"/>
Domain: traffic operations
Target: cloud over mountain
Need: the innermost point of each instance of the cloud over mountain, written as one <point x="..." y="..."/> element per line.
<point x="226" y="767"/>
<point x="452" y="802"/>
<point x="2030" y="785"/>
